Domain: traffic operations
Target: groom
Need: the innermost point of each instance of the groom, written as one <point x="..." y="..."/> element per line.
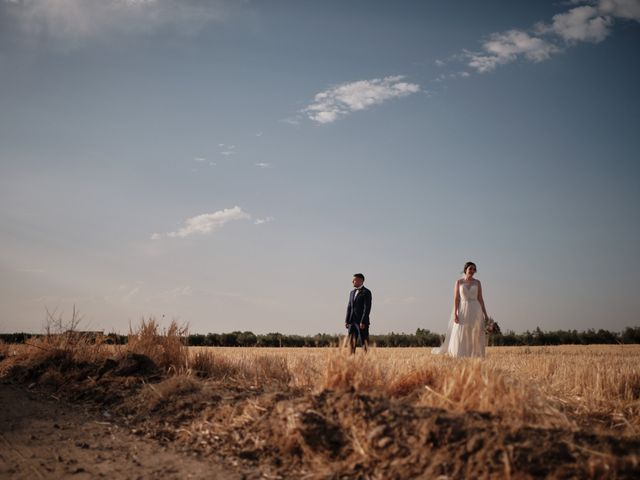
<point x="358" y="309"/>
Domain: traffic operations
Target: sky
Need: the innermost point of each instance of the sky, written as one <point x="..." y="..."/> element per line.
<point x="231" y="164"/>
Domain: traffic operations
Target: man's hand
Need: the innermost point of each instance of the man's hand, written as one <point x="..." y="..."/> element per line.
<point x="362" y="326"/>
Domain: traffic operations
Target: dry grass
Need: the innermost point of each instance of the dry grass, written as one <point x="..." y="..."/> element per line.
<point x="548" y="397"/>
<point x="540" y="385"/>
<point x="597" y="383"/>
<point x="324" y="409"/>
<point x="63" y="345"/>
<point x="165" y="347"/>
<point x="545" y="386"/>
<point x="256" y="369"/>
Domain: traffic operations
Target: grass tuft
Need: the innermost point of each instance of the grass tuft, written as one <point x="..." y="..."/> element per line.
<point x="165" y="347"/>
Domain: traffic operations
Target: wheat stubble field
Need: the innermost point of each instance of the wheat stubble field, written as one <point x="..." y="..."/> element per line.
<point x="523" y="412"/>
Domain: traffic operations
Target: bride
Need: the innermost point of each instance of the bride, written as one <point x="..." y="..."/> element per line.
<point x="465" y="335"/>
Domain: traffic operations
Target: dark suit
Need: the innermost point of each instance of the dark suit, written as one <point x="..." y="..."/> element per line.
<point x="358" y="311"/>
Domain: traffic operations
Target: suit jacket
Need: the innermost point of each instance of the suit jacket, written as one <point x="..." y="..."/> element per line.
<point x="359" y="308"/>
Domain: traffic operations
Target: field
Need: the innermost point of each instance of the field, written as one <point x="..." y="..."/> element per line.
<point x="555" y="412"/>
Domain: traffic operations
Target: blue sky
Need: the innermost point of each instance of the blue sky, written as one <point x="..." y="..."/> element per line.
<point x="231" y="164"/>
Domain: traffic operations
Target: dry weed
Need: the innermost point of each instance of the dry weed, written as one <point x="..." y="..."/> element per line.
<point x="166" y="348"/>
<point x="344" y="371"/>
<point x="207" y="364"/>
<point x="256" y="369"/>
<point x="63" y="346"/>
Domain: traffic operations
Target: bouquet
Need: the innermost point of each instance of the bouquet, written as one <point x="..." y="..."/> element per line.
<point x="491" y="326"/>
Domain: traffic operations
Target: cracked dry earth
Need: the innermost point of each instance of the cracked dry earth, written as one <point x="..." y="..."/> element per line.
<point x="43" y="438"/>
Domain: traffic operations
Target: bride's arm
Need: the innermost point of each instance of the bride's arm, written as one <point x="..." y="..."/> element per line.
<point x="456" y="301"/>
<point x="481" y="300"/>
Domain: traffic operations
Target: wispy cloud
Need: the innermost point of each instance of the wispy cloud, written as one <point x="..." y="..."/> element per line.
<point x="171" y="295"/>
<point x="449" y="76"/>
<point x="589" y="21"/>
<point x="346" y="98"/>
<point x="81" y="19"/>
<point x="263" y="165"/>
<point x="227" y="149"/>
<point x="260" y="221"/>
<point x="502" y="48"/>
<point x="205" y="223"/>
<point x="126" y="293"/>
<point x="294" y="120"/>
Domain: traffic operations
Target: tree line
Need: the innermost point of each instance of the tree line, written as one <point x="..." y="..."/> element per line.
<point x="421" y="338"/>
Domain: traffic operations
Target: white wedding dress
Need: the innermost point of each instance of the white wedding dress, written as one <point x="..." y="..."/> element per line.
<point x="466" y="338"/>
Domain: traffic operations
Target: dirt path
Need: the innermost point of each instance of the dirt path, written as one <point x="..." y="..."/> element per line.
<point x="44" y="438"/>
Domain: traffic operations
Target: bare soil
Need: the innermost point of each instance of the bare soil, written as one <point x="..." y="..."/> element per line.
<point x="42" y="436"/>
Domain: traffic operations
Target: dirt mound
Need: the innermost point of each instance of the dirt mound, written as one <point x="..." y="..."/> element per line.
<point x="346" y="434"/>
<point x="132" y="364"/>
<point x="62" y="362"/>
<point x="54" y="363"/>
<point x="274" y="430"/>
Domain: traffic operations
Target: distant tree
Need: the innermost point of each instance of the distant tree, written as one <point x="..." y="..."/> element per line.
<point x="270" y="340"/>
<point x="247" y="339"/>
<point x="631" y="335"/>
<point x="197" y="340"/>
<point x="421" y="338"/>
<point x="229" y="339"/>
<point x="425" y="338"/>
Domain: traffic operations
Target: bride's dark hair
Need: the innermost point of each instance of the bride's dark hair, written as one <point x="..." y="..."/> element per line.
<point x="467" y="265"/>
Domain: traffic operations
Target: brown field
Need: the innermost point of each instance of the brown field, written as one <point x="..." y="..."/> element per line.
<point x="523" y="412"/>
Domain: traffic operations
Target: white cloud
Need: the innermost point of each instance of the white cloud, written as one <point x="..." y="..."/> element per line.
<point x="200" y="159"/>
<point x="580" y="24"/>
<point x="80" y="19"/>
<point x="590" y="21"/>
<point x="260" y="221"/>
<point x="263" y="165"/>
<point x="205" y="223"/>
<point x="626" y="9"/>
<point x="227" y="153"/>
<point x="343" y="99"/>
<point x="506" y="47"/>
